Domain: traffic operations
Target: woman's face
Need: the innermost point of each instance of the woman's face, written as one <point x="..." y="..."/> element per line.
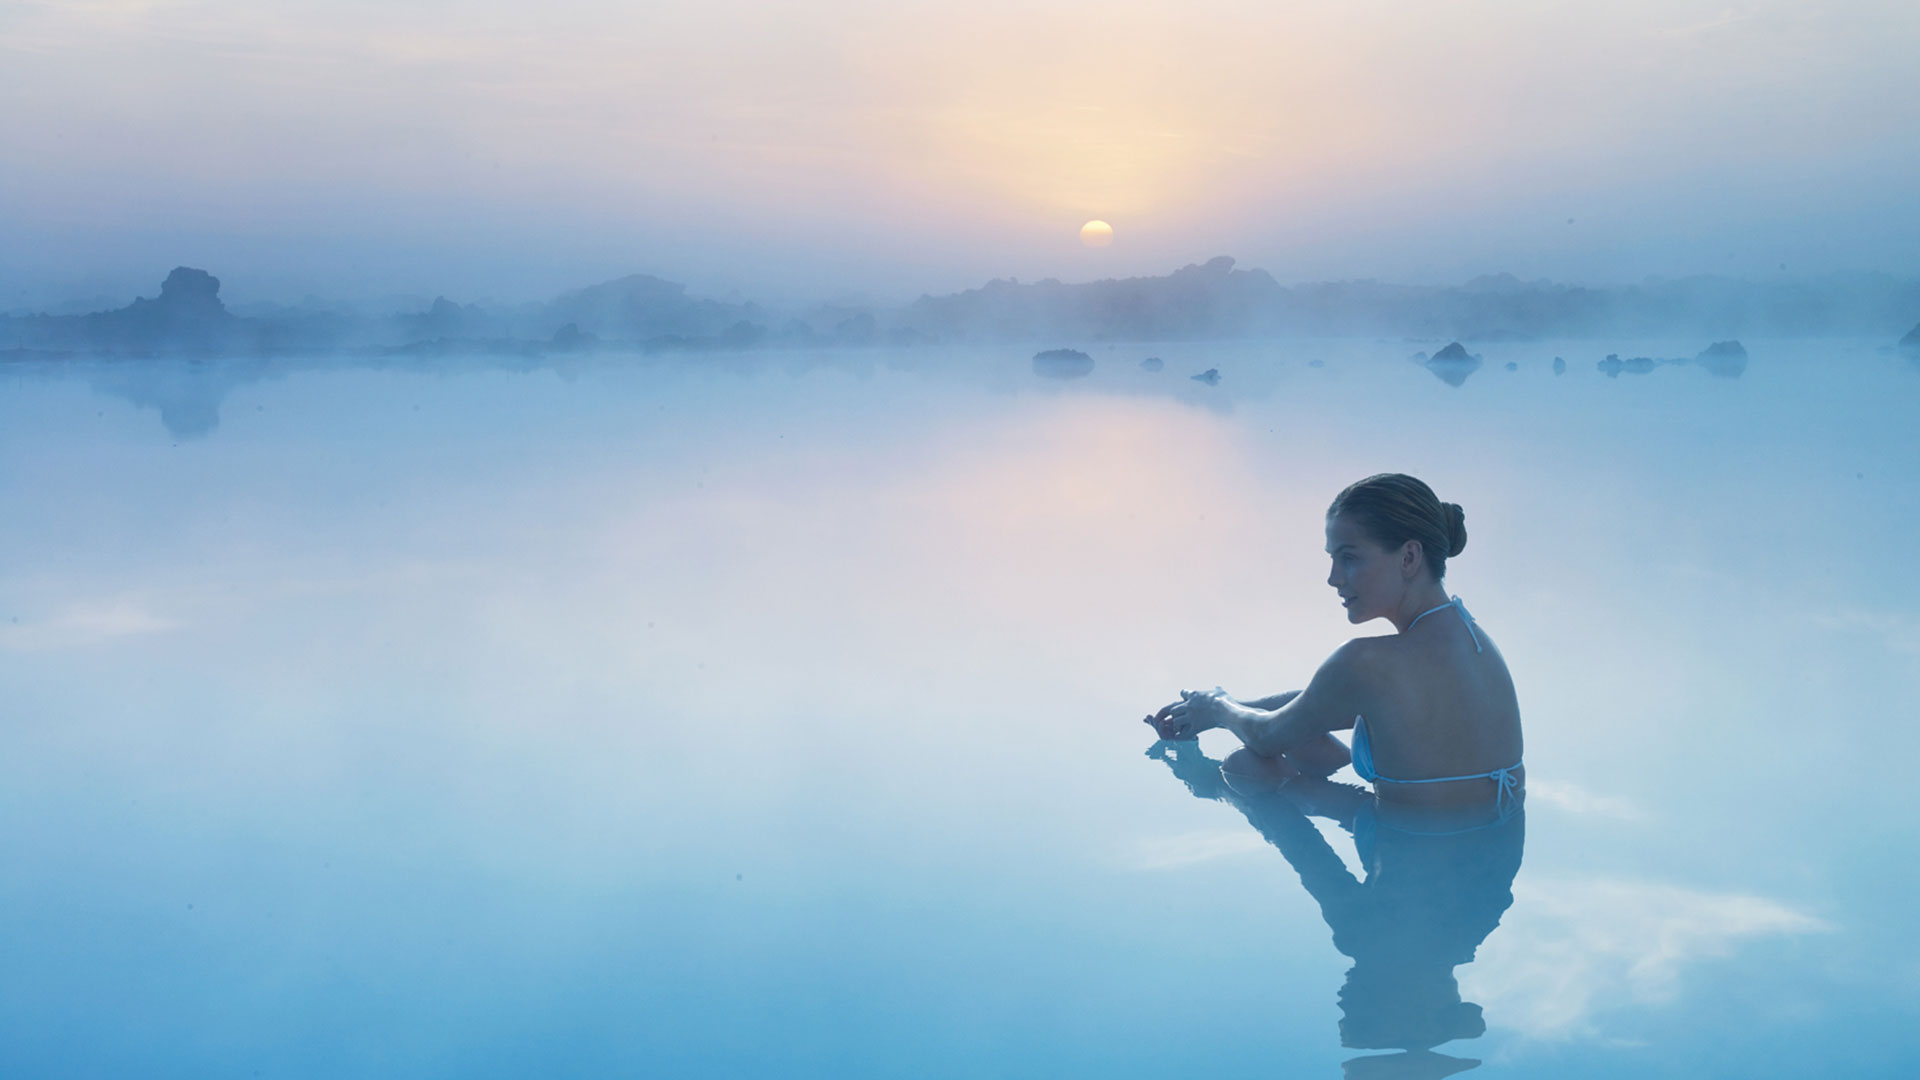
<point x="1366" y="576"/>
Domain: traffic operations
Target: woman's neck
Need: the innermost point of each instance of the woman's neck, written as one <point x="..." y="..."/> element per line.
<point x="1417" y="603"/>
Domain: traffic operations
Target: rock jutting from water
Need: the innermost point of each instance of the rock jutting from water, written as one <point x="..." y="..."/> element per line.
<point x="1211" y="377"/>
<point x="187" y="317"/>
<point x="1727" y="359"/>
<point x="1152" y="363"/>
<point x="1612" y="366"/>
<point x="1453" y="364"/>
<point x="1062" y="364"/>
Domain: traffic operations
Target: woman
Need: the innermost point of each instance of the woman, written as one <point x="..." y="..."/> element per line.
<point x="1432" y="708"/>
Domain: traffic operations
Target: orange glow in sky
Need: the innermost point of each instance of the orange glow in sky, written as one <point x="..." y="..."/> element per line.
<point x="916" y="145"/>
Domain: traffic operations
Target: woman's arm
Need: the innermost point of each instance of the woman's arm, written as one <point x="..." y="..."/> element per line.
<point x="1165" y="726"/>
<point x="1329" y="703"/>
<point x="1272" y="701"/>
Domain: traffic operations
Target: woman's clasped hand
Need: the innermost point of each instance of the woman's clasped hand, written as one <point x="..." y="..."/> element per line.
<point x="1195" y="712"/>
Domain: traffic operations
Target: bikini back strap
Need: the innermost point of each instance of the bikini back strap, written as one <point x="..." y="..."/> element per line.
<point x="1468" y="619"/>
<point x="1507" y="778"/>
<point x="1456" y="605"/>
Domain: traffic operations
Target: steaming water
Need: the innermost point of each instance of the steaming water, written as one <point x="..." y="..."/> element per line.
<point x="779" y="715"/>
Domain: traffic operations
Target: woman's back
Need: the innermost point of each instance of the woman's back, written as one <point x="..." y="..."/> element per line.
<point x="1442" y="704"/>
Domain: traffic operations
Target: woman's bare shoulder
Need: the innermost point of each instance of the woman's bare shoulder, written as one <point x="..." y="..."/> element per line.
<point x="1370" y="650"/>
<point x="1376" y="663"/>
<point x="1359" y="660"/>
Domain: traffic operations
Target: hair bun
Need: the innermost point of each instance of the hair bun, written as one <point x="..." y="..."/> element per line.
<point x="1456" y="528"/>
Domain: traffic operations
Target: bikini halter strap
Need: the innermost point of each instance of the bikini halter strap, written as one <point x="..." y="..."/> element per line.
<point x="1464" y="617"/>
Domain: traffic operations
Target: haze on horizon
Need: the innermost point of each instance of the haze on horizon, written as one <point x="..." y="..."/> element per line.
<point x="891" y="147"/>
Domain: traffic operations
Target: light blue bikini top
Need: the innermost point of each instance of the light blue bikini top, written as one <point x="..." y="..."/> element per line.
<point x="1507" y="778"/>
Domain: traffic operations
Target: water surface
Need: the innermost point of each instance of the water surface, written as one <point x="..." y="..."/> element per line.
<point x="778" y="714"/>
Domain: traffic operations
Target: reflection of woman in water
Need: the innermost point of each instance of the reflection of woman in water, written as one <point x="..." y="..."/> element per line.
<point x="1432" y="893"/>
<point x="1434" y="718"/>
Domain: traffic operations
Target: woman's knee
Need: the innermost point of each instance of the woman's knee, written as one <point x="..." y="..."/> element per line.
<point x="1323" y="756"/>
<point x="1243" y="766"/>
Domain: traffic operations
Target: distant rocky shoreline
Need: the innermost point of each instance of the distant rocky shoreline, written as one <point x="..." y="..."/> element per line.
<point x="1209" y="301"/>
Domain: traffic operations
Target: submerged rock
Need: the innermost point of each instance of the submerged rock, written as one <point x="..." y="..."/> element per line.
<point x="1453" y="364"/>
<point x="1724" y="358"/>
<point x="1152" y="363"/>
<point x="1062" y="363"/>
<point x="1211" y="377"/>
<point x="1316" y="363"/>
<point x="1559" y="366"/>
<point x="1612" y="366"/>
<point x="1511" y="366"/>
<point x="1912" y="340"/>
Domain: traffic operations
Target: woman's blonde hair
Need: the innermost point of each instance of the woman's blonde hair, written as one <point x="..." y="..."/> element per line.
<point x="1393" y="508"/>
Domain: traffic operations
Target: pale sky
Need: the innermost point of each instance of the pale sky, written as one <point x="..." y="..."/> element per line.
<point x="889" y="147"/>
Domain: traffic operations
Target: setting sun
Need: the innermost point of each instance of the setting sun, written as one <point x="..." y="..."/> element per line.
<point x="1096" y="233"/>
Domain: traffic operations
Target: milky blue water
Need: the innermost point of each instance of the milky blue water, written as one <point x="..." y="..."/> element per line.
<point x="778" y="715"/>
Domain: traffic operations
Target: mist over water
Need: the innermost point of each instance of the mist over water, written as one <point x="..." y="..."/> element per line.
<point x="777" y="711"/>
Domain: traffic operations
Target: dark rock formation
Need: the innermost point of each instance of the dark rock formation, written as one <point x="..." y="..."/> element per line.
<point x="1211" y="377"/>
<point x="1612" y="366"/>
<point x="1062" y="364"/>
<point x="1727" y="359"/>
<point x="187" y="316"/>
<point x="1453" y="364"/>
